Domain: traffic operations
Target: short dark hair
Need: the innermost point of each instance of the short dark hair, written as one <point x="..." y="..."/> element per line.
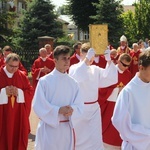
<point x="7" y="48"/>
<point x="59" y="50"/>
<point x="75" y="46"/>
<point x="125" y="56"/>
<point x="85" y="47"/>
<point x="13" y="57"/>
<point x="144" y="58"/>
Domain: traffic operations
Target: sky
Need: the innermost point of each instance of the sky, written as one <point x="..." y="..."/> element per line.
<point x="58" y="3"/>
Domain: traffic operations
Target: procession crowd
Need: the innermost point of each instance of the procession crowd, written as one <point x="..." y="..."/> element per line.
<point x="84" y="101"/>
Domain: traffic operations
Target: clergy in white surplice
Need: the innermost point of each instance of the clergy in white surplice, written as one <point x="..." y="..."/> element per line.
<point x="90" y="78"/>
<point x="57" y="102"/>
<point x="132" y="110"/>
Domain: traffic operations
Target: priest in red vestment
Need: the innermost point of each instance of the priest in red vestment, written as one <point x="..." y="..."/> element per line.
<point x="123" y="48"/>
<point x="75" y="58"/>
<point x="134" y="67"/>
<point x="7" y="50"/>
<point x="41" y="66"/>
<point x="107" y="100"/>
<point x="114" y="56"/>
<point x="100" y="61"/>
<point x="49" y="51"/>
<point x="16" y="95"/>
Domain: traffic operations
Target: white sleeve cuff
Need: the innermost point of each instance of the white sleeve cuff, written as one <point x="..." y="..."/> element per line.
<point x="3" y="96"/>
<point x="20" y="97"/>
<point x="37" y="78"/>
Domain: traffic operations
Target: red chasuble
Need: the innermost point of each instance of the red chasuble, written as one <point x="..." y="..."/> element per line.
<point x="51" y="56"/>
<point x="134" y="65"/>
<point x="21" y="67"/>
<point x="109" y="133"/>
<point x="102" y="62"/>
<point x="2" y="62"/>
<point x="14" y="121"/>
<point x="73" y="59"/>
<point x="125" y="50"/>
<point x="37" y="65"/>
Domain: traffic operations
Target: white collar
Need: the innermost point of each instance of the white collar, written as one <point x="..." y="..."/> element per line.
<point x="44" y="59"/>
<point x="10" y="75"/>
<point x="78" y="56"/>
<point x="119" y="70"/>
<point x="96" y="59"/>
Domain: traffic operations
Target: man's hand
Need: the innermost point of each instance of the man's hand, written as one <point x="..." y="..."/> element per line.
<point x="45" y="70"/>
<point x="11" y="90"/>
<point x="90" y="54"/>
<point x="107" y="54"/>
<point x="66" y="111"/>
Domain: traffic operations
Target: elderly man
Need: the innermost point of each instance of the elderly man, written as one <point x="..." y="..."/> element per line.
<point x="41" y="66"/>
<point x="123" y="48"/>
<point x="15" y="103"/>
<point x="7" y="50"/>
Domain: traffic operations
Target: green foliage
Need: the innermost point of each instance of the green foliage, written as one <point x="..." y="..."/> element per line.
<point x="7" y="20"/>
<point x="80" y="11"/>
<point x="109" y="12"/>
<point x="142" y="17"/>
<point x="136" y="25"/>
<point x="130" y="26"/>
<point x="38" y="20"/>
<point x="65" y="41"/>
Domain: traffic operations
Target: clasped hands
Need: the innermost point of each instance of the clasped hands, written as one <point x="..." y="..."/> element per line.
<point x="45" y="70"/>
<point x="66" y="111"/>
<point x="11" y="90"/>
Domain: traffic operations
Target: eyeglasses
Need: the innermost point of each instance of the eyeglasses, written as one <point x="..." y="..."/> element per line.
<point x="124" y="65"/>
<point x="13" y="66"/>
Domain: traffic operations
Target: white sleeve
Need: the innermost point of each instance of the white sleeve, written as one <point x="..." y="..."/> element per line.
<point x="38" y="76"/>
<point x="132" y="134"/>
<point x="79" y="72"/>
<point x="44" y="109"/>
<point x="78" y="108"/>
<point x="3" y="96"/>
<point x="108" y="76"/>
<point x="20" y="97"/>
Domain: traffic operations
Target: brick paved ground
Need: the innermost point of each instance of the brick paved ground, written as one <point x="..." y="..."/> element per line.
<point x="33" y="122"/>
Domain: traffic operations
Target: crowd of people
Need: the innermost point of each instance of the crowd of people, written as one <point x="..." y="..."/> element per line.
<point x="84" y="101"/>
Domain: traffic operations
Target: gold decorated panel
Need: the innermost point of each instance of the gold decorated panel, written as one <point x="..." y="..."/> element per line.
<point x="99" y="37"/>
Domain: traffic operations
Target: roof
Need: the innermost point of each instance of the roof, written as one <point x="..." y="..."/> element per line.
<point x="128" y="7"/>
<point x="67" y="19"/>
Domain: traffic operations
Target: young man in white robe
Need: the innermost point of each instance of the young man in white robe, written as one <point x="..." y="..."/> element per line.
<point x="57" y="102"/>
<point x="131" y="114"/>
<point x="90" y="78"/>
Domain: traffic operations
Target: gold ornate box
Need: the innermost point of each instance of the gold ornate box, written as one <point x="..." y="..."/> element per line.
<point x="99" y="37"/>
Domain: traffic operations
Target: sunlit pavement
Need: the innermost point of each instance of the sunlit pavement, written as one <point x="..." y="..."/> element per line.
<point x="33" y="123"/>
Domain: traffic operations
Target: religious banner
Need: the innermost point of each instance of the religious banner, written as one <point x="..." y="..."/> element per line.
<point x="99" y="37"/>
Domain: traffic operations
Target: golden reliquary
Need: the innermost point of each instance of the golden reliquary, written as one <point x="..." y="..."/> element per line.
<point x="99" y="37"/>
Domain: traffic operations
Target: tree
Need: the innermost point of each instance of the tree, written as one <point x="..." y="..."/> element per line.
<point x="38" y="20"/>
<point x="6" y="22"/>
<point x="136" y="24"/>
<point x="80" y="11"/>
<point x="142" y="17"/>
<point x="109" y="12"/>
<point x="130" y="26"/>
